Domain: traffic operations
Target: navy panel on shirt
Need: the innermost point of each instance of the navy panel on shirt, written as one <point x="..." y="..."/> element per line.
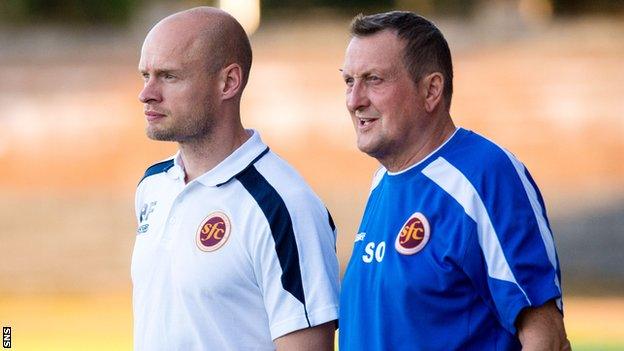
<point x="160" y="167"/>
<point x="277" y="215"/>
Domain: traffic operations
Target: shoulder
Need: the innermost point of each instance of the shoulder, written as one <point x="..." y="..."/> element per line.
<point x="476" y="168"/>
<point x="150" y="173"/>
<point x="289" y="207"/>
<point x="283" y="177"/>
<point x="274" y="183"/>
<point x="478" y="158"/>
<point x="157" y="168"/>
<point x="377" y="176"/>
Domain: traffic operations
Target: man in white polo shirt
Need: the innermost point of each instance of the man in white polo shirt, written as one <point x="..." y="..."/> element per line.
<point x="233" y="250"/>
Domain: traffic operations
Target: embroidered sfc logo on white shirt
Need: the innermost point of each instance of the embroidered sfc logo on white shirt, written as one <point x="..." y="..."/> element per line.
<point x="213" y="232"/>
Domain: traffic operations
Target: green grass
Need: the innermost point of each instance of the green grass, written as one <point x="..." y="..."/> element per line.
<point x="598" y="346"/>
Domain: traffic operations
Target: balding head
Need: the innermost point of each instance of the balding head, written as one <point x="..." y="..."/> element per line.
<point x="195" y="65"/>
<point x="208" y="34"/>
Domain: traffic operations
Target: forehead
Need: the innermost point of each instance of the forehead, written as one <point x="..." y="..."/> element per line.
<point x="380" y="51"/>
<point x="166" y="46"/>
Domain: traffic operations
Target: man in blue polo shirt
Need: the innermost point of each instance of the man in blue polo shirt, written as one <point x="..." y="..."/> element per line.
<point x="233" y="250"/>
<point x="454" y="251"/>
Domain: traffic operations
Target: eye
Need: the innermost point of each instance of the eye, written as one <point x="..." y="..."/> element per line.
<point x="168" y="76"/>
<point x="349" y="81"/>
<point x="373" y="79"/>
<point x="145" y="76"/>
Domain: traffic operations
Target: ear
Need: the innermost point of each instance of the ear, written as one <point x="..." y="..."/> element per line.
<point x="231" y="81"/>
<point x="433" y="85"/>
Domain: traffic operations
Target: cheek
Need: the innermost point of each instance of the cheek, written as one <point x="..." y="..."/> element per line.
<point x="176" y="92"/>
<point x="188" y="97"/>
<point x="382" y="104"/>
<point x="395" y="117"/>
<point x="204" y="91"/>
<point x="396" y="104"/>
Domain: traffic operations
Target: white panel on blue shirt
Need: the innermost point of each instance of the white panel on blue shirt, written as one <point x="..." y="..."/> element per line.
<point x="234" y="259"/>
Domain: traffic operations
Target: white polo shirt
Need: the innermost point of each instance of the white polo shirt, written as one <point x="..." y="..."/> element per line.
<point x="232" y="260"/>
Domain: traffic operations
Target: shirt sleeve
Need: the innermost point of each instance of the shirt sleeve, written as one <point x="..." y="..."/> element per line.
<point x="296" y="266"/>
<point x="513" y="239"/>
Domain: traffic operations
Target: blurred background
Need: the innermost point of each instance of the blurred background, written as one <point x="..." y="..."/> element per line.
<point x="543" y="78"/>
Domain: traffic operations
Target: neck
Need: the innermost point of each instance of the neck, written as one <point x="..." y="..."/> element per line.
<point x="202" y="155"/>
<point x="422" y="145"/>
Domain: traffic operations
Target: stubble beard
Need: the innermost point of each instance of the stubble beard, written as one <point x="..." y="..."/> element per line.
<point x="188" y="131"/>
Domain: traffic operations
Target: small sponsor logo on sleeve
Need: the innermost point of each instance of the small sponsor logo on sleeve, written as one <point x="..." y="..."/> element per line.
<point x="359" y="237"/>
<point x="146" y="210"/>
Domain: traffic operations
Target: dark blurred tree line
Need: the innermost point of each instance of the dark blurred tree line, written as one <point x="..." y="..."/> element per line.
<point x="67" y="11"/>
<point x="443" y="7"/>
<point x="121" y="11"/>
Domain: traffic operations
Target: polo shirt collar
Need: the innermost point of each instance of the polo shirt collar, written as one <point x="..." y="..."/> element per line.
<point x="244" y="156"/>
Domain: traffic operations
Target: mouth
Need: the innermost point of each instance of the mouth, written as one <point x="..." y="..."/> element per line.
<point x="364" y="122"/>
<point x="153" y="115"/>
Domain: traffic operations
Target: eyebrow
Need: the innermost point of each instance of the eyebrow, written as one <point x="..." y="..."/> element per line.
<point x="363" y="75"/>
<point x="161" y="71"/>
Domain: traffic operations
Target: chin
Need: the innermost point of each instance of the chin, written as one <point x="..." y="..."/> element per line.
<point x="159" y="135"/>
<point x="367" y="149"/>
<point x="372" y="149"/>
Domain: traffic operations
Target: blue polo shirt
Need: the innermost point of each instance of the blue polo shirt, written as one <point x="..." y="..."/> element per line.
<point x="449" y="251"/>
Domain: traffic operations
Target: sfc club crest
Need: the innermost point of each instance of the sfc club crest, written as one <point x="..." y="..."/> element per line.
<point x="413" y="236"/>
<point x="213" y="232"/>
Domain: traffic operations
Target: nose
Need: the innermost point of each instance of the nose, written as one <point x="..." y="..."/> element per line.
<point x="150" y="92"/>
<point x="357" y="96"/>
